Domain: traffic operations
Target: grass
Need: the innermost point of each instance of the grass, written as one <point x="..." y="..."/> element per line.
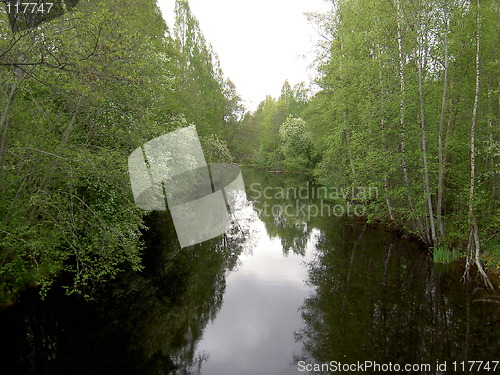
<point x="441" y="254"/>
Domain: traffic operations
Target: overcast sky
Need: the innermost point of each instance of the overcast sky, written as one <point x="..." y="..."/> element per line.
<point x="260" y="43"/>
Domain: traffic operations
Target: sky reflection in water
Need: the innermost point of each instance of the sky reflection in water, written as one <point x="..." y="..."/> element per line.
<point x="253" y="331"/>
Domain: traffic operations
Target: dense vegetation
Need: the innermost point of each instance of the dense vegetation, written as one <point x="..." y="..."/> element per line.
<point x="408" y="103"/>
<point x="78" y="94"/>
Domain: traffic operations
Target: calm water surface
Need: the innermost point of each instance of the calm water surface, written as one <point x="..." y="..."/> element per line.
<point x="280" y="289"/>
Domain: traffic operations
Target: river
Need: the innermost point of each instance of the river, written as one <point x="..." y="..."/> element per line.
<point x="286" y="291"/>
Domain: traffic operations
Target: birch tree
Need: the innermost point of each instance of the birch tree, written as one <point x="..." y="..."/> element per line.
<point x="474" y="245"/>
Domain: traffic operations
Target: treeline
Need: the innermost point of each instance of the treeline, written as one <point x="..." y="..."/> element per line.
<point x="77" y="95"/>
<point x="274" y="135"/>
<point x="409" y="104"/>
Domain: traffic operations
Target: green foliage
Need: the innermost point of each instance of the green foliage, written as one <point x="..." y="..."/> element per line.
<point x="356" y="119"/>
<point x="441" y="254"/>
<point x="295" y="144"/>
<point x="78" y="94"/>
<point x="491" y="253"/>
<point x="379" y="118"/>
<point x="258" y="137"/>
<point x="198" y="75"/>
<point x="246" y="141"/>
<point x="216" y="150"/>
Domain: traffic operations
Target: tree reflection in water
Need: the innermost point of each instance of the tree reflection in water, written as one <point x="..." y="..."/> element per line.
<point x="142" y="323"/>
<point x="291" y="226"/>
<point x="371" y="297"/>
<point x="378" y="299"/>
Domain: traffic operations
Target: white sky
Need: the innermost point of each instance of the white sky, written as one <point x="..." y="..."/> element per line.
<point x="260" y="43"/>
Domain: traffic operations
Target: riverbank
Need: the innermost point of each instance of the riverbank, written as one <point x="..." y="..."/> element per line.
<point x="345" y="197"/>
<point x="285" y="289"/>
<point x="491" y="264"/>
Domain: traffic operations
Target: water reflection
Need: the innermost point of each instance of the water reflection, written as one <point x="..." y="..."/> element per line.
<point x="291" y="226"/>
<point x="253" y="332"/>
<point x="275" y="290"/>
<point x="382" y="300"/>
<point x="143" y="323"/>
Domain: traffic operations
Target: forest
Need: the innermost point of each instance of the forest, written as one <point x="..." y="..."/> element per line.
<point x="407" y="100"/>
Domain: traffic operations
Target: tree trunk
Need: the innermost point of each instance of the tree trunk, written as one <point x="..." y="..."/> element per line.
<point x="427" y="191"/>
<point x="349" y="155"/>
<point x="402" y="109"/>
<point x="55" y="164"/>
<point x="384" y="137"/>
<point x="442" y="162"/>
<point x="474" y="246"/>
<point x="5" y="122"/>
<point x="18" y="76"/>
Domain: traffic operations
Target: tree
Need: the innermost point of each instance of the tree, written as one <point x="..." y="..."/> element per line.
<point x="395" y="80"/>
<point x="200" y="78"/>
<point x="234" y="111"/>
<point x="474" y="246"/>
<point x="442" y="161"/>
<point x="90" y="86"/>
<point x="295" y="144"/>
<point x="268" y="118"/>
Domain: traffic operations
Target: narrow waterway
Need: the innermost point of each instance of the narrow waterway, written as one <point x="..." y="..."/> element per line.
<point x="286" y="289"/>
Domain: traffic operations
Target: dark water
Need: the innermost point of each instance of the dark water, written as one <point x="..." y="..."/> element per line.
<point x="283" y="289"/>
